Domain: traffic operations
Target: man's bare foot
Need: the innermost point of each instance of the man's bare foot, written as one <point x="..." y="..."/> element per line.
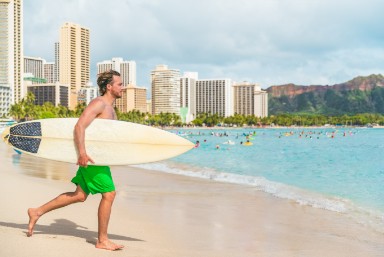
<point x="33" y="217"/>
<point x="108" y="245"/>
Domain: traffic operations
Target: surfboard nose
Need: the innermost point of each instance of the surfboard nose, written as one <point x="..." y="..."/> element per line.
<point x="5" y="134"/>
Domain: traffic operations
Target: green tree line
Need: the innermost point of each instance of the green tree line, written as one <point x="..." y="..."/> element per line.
<point x="290" y="120"/>
<point x="27" y="110"/>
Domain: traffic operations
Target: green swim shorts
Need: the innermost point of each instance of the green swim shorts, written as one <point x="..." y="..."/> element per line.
<point x="94" y="179"/>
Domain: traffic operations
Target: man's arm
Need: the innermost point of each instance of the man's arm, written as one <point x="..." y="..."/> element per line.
<point x="90" y="113"/>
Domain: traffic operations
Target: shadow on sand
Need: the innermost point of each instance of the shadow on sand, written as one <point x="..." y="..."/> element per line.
<point x="65" y="227"/>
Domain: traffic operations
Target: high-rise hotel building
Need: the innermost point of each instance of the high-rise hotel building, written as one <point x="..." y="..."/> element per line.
<point x="261" y="103"/>
<point x="38" y="70"/>
<point x="49" y="72"/>
<point x="188" y="96"/>
<point x="11" y="54"/>
<point x="57" y="62"/>
<point x="34" y="66"/>
<point x="127" y="69"/>
<point x="133" y="98"/>
<point x="214" y="96"/>
<point x="249" y="99"/>
<point x="165" y="84"/>
<point x="74" y="59"/>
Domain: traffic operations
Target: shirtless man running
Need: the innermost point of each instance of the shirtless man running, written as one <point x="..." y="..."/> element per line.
<point x="89" y="178"/>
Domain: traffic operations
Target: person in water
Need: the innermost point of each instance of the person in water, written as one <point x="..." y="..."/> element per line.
<point x="90" y="178"/>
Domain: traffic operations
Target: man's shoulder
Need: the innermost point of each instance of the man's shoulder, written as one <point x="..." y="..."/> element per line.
<point x="96" y="105"/>
<point x="98" y="100"/>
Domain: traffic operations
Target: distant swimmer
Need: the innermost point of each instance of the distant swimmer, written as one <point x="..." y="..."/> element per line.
<point x="197" y="144"/>
<point x="217" y="146"/>
<point x="248" y="143"/>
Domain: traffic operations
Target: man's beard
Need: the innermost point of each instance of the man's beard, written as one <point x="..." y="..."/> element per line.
<point x="117" y="96"/>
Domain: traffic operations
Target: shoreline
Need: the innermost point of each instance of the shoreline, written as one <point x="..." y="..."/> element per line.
<point x="270" y="127"/>
<point x="159" y="214"/>
<point x="364" y="215"/>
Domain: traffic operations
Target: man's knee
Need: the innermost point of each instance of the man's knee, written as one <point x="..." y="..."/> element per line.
<point x="109" y="196"/>
<point x="81" y="196"/>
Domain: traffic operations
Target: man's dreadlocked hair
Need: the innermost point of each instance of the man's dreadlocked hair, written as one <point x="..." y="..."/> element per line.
<point x="104" y="79"/>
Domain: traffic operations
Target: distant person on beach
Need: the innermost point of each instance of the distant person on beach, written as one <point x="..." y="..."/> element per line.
<point x="89" y="178"/>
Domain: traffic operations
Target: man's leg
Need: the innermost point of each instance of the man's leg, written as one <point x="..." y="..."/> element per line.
<point x="104" y="214"/>
<point x="62" y="200"/>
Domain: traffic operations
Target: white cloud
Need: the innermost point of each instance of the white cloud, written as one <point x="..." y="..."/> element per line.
<point x="266" y="41"/>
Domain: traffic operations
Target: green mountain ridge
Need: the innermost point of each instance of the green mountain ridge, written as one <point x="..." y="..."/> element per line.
<point x="359" y="95"/>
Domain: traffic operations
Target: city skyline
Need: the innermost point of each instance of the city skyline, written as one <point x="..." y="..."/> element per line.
<point x="184" y="95"/>
<point x="266" y="42"/>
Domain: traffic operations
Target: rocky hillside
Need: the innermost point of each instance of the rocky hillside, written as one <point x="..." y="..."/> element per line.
<point x="359" y="95"/>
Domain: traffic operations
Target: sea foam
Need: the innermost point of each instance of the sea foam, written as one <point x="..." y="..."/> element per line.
<point x="277" y="189"/>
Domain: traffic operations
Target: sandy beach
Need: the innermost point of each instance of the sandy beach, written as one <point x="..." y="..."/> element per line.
<point x="158" y="214"/>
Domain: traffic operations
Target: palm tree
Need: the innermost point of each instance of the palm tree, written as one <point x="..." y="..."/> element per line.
<point x="17" y="112"/>
<point x="79" y="109"/>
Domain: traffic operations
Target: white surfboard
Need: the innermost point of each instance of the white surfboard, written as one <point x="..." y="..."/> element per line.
<point x="108" y="142"/>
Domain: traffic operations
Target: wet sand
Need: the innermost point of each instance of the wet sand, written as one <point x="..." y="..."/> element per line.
<point x="157" y="214"/>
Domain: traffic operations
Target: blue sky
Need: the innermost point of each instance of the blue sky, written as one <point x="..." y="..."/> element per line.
<point x="271" y="42"/>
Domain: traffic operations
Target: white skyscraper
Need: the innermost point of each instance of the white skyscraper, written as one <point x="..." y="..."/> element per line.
<point x="127" y="69"/>
<point x="11" y="54"/>
<point x="261" y="102"/>
<point x="165" y="90"/>
<point x="214" y="96"/>
<point x="188" y="96"/>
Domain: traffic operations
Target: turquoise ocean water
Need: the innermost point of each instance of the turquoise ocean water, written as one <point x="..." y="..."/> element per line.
<point x="339" y="169"/>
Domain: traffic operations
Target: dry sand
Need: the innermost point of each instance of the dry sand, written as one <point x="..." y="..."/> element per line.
<point x="157" y="214"/>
